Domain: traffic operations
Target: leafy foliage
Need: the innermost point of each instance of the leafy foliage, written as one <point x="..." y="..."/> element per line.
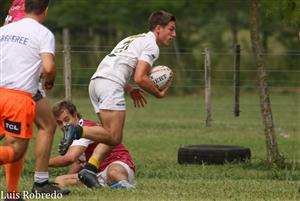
<point x="288" y="10"/>
<point x="97" y="25"/>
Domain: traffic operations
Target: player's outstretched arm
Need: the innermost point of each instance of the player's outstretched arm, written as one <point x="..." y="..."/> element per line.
<point x="70" y="157"/>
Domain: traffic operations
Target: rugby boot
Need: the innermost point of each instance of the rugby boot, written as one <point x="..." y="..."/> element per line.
<point x="88" y="176"/>
<point x="71" y="132"/>
<point x="49" y="187"/>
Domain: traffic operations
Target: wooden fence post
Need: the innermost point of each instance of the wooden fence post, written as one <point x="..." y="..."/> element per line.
<point x="67" y="64"/>
<point x="236" y="109"/>
<point x="207" y="69"/>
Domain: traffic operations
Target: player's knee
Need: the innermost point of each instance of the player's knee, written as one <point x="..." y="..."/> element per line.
<point x="115" y="142"/>
<point x="116" y="173"/>
<point x="19" y="148"/>
<point x="18" y="155"/>
<point x="47" y="127"/>
<point x="116" y="139"/>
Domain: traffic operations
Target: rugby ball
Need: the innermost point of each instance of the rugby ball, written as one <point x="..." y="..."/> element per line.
<point x="161" y="76"/>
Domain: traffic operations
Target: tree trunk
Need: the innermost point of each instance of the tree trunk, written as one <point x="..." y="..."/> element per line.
<point x="273" y="155"/>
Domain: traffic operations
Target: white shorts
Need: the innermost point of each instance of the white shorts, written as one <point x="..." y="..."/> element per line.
<point x="102" y="176"/>
<point x="106" y="94"/>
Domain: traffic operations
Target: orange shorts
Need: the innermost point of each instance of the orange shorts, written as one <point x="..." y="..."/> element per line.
<point x="17" y="110"/>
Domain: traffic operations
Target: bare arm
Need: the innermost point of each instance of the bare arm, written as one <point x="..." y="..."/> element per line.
<point x="70" y="157"/>
<point x="142" y="79"/>
<point x="48" y="69"/>
<point x="75" y="168"/>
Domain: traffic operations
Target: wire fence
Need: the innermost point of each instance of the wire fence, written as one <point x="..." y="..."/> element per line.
<point x="283" y="69"/>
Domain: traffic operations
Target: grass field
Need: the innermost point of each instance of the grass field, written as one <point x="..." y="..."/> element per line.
<point x="154" y="134"/>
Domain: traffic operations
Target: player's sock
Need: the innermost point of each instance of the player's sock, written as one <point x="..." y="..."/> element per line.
<point x="13" y="173"/>
<point x="41" y="177"/>
<point x="94" y="162"/>
<point x="6" y="154"/>
<point x="91" y="166"/>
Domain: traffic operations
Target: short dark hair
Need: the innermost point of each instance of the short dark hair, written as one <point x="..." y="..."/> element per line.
<point x="63" y="105"/>
<point x="36" y="6"/>
<point x="160" y="18"/>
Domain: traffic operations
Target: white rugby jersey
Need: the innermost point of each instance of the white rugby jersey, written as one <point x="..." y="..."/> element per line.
<point x="121" y="62"/>
<point x="21" y="43"/>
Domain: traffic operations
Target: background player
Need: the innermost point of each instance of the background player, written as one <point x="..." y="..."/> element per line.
<point x="117" y="170"/>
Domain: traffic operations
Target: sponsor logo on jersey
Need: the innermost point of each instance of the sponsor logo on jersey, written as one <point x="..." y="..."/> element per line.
<point x="13" y="127"/>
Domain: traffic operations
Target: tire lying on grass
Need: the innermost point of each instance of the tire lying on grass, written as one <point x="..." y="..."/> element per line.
<point x="212" y="154"/>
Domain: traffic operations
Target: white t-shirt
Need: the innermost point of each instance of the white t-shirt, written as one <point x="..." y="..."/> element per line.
<point x="21" y="43"/>
<point x="121" y="62"/>
<point x="82" y="142"/>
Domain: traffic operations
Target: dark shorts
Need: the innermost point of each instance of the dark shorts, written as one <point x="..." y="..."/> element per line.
<point x="38" y="96"/>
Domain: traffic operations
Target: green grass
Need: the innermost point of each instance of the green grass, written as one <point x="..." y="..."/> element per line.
<point x="154" y="134"/>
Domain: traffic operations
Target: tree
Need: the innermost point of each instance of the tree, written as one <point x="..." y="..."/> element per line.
<point x="4" y="7"/>
<point x="273" y="155"/>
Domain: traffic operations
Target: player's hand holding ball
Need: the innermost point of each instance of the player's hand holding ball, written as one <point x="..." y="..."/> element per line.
<point x="162" y="77"/>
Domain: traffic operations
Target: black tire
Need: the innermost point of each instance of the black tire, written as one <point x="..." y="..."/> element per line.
<point x="212" y="154"/>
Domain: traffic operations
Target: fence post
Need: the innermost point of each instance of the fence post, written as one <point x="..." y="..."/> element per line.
<point x="67" y="64"/>
<point x="237" y="80"/>
<point x="207" y="70"/>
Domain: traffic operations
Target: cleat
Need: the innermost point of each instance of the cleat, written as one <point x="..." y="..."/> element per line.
<point x="89" y="178"/>
<point x="71" y="132"/>
<point x="48" y="187"/>
<point x="122" y="184"/>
